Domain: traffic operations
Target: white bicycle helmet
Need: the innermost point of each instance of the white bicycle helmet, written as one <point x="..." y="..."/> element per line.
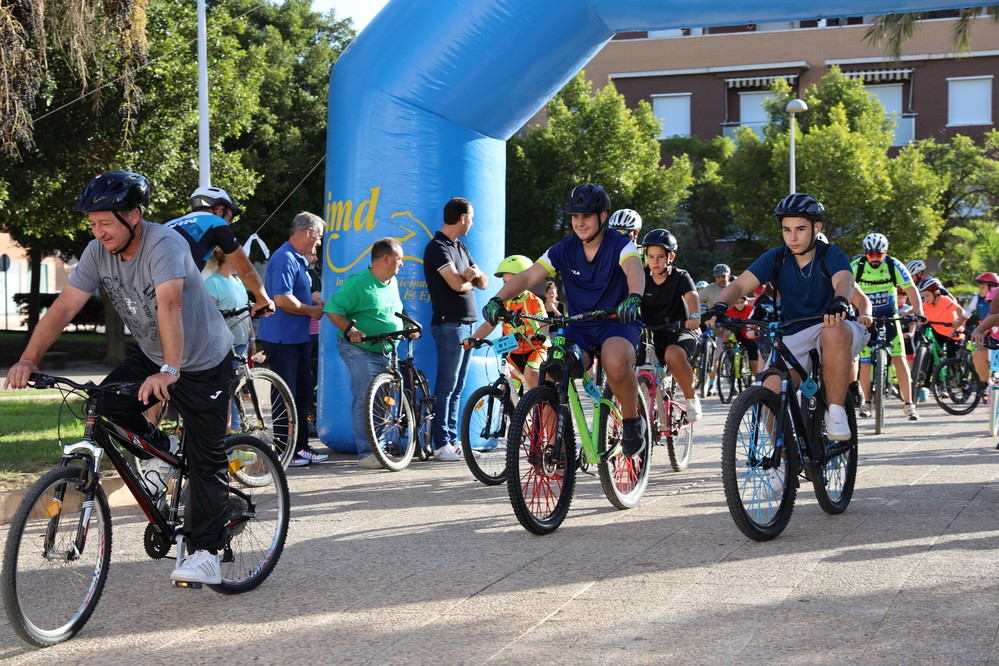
<point x="915" y="266"/>
<point x="876" y="243"/>
<point x="625" y="221"/>
<point x="208" y="197"/>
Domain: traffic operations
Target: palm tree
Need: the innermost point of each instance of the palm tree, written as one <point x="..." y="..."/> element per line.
<point x="891" y="30"/>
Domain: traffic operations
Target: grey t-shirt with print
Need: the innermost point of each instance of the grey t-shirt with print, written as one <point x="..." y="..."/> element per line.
<point x="131" y="286"/>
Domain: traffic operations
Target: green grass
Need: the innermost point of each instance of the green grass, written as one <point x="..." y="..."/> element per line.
<point x="29" y="434"/>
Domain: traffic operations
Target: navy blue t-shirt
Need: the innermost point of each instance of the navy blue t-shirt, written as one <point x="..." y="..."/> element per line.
<point x="204" y="232"/>
<point x="591" y="285"/>
<point x="804" y="292"/>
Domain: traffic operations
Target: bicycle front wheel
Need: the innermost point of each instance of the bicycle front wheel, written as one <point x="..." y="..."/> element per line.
<point x="622" y="478"/>
<point x="833" y="481"/>
<point x="759" y="466"/>
<point x="654" y="425"/>
<point x="267" y="411"/>
<point x="993" y="410"/>
<point x="878" y="390"/>
<point x="540" y="470"/>
<point x="483" y="430"/>
<point x="955" y="386"/>
<point x="57" y="558"/>
<point x="726" y="378"/>
<point x="390" y="422"/>
<point x="704" y="369"/>
<point x="257" y="516"/>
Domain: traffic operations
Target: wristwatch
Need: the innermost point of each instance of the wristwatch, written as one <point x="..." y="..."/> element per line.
<point x="169" y="368"/>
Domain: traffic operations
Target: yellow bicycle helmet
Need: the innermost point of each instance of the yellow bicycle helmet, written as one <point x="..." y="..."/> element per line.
<point x="515" y="263"/>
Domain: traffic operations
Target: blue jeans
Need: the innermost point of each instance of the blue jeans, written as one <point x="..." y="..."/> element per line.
<point x="452" y="366"/>
<point x="292" y="363"/>
<point x="362" y="365"/>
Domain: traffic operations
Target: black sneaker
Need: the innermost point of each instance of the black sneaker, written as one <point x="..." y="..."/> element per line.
<point x="633" y="437"/>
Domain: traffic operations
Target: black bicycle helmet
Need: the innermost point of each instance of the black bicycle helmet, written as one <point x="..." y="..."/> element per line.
<point x="800" y="205"/>
<point x="114" y="190"/>
<point x="588" y="199"/>
<point x="662" y="238"/>
<point x="209" y="197"/>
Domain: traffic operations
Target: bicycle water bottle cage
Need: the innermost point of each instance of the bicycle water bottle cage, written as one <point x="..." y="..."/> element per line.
<point x="809" y="388"/>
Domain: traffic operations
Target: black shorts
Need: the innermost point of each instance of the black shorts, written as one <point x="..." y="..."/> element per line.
<point x="686" y="340"/>
<point x="751" y="347"/>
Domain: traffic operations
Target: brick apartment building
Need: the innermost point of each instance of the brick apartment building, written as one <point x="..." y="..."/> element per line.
<point x="709" y="81"/>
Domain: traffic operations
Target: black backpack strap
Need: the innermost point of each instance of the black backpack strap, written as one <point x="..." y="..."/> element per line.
<point x="861" y="265"/>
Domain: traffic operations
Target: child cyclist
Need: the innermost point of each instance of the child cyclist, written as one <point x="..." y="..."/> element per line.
<point x="530" y="352"/>
<point x="670" y="296"/>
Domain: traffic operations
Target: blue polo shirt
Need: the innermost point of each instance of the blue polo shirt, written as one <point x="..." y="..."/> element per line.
<point x="287" y="273"/>
<point x="804" y="292"/>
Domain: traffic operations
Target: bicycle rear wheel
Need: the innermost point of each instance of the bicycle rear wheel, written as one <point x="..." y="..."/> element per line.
<point x="955" y="386"/>
<point x="267" y="411"/>
<point x="726" y="377"/>
<point x="759" y="490"/>
<point x="540" y="470"/>
<point x="257" y="515"/>
<point x="833" y="482"/>
<point x="878" y="390"/>
<point x="390" y="422"/>
<point x="680" y="439"/>
<point x="920" y="368"/>
<point x="483" y="430"/>
<point x="623" y="479"/>
<point x="51" y="581"/>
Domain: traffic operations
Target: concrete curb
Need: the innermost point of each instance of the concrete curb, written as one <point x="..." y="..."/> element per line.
<point x="118" y="495"/>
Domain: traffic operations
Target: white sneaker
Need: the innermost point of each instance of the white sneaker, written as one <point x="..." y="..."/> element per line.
<point x="369" y="462"/>
<point x="910" y="411"/>
<point x="156" y="472"/>
<point x="446" y="453"/>
<point x="775" y="479"/>
<point x="199" y="567"/>
<point x="837" y="427"/>
<point x="693" y="406"/>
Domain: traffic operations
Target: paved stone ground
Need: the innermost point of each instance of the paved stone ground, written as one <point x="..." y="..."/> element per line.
<point x="427" y="565"/>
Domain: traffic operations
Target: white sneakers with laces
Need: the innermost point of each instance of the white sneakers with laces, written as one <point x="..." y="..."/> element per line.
<point x="837" y="426"/>
<point x="198" y="567"/>
<point x="446" y="453"/>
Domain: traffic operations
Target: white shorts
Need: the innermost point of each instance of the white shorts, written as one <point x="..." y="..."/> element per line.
<point x="802" y="342"/>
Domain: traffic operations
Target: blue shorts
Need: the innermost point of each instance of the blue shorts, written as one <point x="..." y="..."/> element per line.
<point x="592" y="334"/>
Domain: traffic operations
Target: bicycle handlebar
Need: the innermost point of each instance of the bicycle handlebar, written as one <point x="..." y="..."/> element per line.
<point x="561" y="321"/>
<point x="392" y="335"/>
<point x="42" y="381"/>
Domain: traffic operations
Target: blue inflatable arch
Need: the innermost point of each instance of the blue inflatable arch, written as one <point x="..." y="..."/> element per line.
<point x="421" y="105"/>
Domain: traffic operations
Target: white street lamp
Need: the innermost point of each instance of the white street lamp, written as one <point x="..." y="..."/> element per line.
<point x="793" y="107"/>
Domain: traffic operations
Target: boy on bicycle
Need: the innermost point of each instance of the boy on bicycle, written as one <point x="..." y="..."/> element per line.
<point x="670" y="296"/>
<point x="601" y="269"/>
<point x="530" y="350"/>
<point x="813" y="279"/>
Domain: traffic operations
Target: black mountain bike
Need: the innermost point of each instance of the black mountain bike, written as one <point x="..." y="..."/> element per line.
<point x="770" y="439"/>
<point x="59" y="544"/>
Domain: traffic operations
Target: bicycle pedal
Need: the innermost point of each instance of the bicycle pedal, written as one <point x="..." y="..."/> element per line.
<point x="188" y="585"/>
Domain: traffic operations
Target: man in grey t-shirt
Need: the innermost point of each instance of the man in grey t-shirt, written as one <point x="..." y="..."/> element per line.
<point x="153" y="284"/>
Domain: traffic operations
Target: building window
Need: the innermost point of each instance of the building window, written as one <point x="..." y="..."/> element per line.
<point x="969" y="100"/>
<point x="890" y="96"/>
<point x="752" y="112"/>
<point x="673" y="111"/>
